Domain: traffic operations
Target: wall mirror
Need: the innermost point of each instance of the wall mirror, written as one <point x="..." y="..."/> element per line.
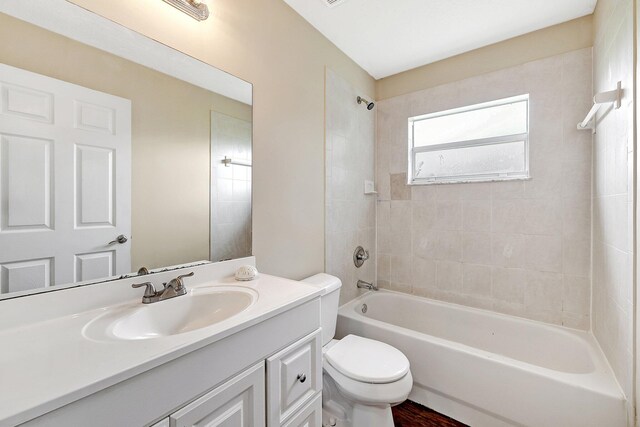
<point x="116" y="152"/>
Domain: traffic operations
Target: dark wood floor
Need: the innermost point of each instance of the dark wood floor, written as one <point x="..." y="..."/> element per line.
<point x="411" y="414"/>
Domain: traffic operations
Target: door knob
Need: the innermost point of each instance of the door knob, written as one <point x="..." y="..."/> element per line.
<point x="120" y="239"/>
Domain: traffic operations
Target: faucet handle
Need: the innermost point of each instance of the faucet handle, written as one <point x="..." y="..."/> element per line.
<point x="150" y="290"/>
<point x="360" y="256"/>
<point x="178" y="283"/>
<point x="185" y="275"/>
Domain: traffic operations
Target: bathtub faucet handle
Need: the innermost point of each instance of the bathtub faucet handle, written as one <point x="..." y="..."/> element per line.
<point x="360" y="256"/>
<point x="366" y="285"/>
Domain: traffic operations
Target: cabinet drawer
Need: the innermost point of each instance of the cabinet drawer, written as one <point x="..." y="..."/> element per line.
<point x="239" y="403"/>
<point x="294" y="376"/>
<point x="309" y="416"/>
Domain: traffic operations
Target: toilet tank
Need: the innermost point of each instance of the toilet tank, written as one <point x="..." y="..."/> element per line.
<point x="329" y="301"/>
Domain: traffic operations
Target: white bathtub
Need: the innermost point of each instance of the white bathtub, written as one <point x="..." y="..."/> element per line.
<point x="490" y="369"/>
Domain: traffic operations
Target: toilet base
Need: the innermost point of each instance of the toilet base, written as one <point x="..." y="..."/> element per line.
<point x="329" y="420"/>
<point x="379" y="416"/>
<point x="338" y="411"/>
<point x="364" y="416"/>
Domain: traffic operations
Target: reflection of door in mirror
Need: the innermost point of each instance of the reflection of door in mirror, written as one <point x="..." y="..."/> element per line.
<point x="62" y="202"/>
<point x="60" y="209"/>
<point x="230" y="187"/>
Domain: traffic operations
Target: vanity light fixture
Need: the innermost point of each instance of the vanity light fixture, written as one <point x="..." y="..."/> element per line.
<point x="193" y="8"/>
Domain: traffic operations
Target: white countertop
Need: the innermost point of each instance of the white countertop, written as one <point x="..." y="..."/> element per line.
<point x="49" y="363"/>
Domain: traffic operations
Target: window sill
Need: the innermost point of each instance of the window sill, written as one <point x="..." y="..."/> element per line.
<point x="469" y="180"/>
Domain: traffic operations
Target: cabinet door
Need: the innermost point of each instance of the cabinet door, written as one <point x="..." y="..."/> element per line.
<point x="309" y="416"/>
<point x="162" y="423"/>
<point x="237" y="403"/>
<point x="294" y="376"/>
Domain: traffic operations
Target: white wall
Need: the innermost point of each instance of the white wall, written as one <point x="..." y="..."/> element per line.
<point x="613" y="190"/>
<point x="519" y="247"/>
<point x="349" y="159"/>
<point x="555" y="40"/>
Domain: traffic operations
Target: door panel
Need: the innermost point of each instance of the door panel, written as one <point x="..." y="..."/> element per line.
<point x="294" y="376"/>
<point x="237" y="403"/>
<point x="25" y="275"/>
<point x="292" y="365"/>
<point x="309" y="416"/>
<point x="94" y="186"/>
<point x="26" y="103"/>
<point x="94" y="266"/>
<point x="65" y="179"/>
<point x="26" y="166"/>
<point x="94" y="118"/>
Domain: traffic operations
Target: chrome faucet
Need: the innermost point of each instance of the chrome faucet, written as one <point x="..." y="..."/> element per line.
<point x="150" y="293"/>
<point x="366" y="285"/>
<point x="174" y="288"/>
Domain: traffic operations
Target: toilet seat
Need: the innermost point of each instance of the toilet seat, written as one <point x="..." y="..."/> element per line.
<point x="366" y="360"/>
<point x="371" y="394"/>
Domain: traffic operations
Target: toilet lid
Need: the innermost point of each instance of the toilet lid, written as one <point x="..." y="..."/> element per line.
<point x="366" y="360"/>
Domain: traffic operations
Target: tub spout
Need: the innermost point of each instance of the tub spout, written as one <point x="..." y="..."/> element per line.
<point x="366" y="285"/>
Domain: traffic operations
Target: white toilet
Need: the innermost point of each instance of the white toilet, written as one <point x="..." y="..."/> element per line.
<point x="362" y="378"/>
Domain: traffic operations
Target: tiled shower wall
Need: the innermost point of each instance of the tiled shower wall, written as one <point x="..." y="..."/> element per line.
<point x="517" y="247"/>
<point x="349" y="213"/>
<point x="230" y="188"/>
<point x="613" y="190"/>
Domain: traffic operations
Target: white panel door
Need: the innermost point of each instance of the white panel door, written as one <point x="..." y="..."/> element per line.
<point x="237" y="403"/>
<point x="65" y="182"/>
<point x="309" y="416"/>
<point x="294" y="376"/>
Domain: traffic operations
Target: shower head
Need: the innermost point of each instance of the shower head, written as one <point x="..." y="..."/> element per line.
<point x="369" y="105"/>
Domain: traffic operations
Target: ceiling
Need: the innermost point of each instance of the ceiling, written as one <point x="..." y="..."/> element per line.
<point x="386" y="37"/>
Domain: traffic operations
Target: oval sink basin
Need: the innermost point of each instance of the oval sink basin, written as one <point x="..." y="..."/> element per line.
<point x="198" y="309"/>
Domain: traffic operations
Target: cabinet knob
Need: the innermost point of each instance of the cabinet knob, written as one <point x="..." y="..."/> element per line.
<point x="302" y="378"/>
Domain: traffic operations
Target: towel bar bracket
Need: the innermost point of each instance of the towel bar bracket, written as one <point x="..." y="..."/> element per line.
<point x="611" y="96"/>
<point x="228" y="162"/>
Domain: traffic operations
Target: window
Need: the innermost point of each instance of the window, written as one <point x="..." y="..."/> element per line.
<point x="482" y="142"/>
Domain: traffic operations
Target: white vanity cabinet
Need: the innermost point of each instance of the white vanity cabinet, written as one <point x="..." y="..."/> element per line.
<point x="309" y="416"/>
<point x="237" y="403"/>
<point x="294" y="378"/>
<point x="269" y="374"/>
<point x="291" y="393"/>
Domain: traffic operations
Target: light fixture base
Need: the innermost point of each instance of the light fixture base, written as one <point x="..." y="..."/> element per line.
<point x="196" y="10"/>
